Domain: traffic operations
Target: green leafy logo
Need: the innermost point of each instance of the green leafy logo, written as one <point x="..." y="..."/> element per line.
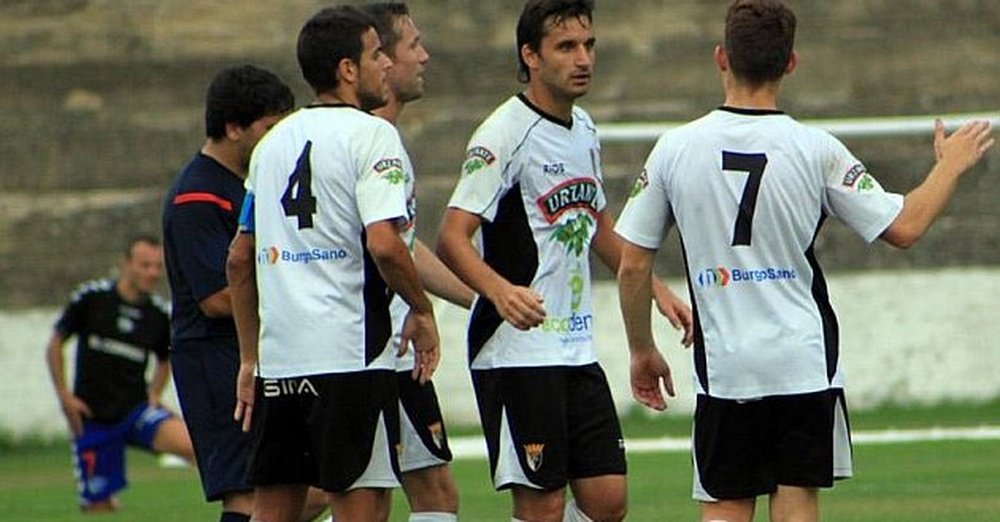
<point x="640" y="184"/>
<point x="394" y="176"/>
<point x="574" y="234"/>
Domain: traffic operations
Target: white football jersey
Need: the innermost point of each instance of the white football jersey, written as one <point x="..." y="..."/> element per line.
<point x="748" y="191"/>
<point x="316" y="180"/>
<point x="536" y="183"/>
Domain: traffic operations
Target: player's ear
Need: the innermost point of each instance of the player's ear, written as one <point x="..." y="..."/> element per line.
<point x="721" y="59"/>
<point x="233" y="131"/>
<point x="530" y="57"/>
<point x="793" y="61"/>
<point x="347" y="71"/>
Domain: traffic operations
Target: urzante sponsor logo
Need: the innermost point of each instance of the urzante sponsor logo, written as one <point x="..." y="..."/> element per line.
<point x="477" y="158"/>
<point x="575" y="193"/>
<point x="722" y="276"/>
<point x="275" y="255"/>
<point x="857" y="178"/>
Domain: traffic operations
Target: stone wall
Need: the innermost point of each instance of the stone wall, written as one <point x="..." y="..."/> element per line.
<point x="101" y="104"/>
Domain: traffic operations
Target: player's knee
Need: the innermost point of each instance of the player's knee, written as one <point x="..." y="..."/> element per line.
<point x="609" y="510"/>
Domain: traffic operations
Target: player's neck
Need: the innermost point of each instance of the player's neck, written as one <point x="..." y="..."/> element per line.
<point x="227" y="154"/>
<point x="339" y="96"/>
<point x="128" y="292"/>
<point x="546" y="101"/>
<point x="391" y="110"/>
<point x="742" y="96"/>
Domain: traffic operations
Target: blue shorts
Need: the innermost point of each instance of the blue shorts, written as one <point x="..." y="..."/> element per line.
<point x="205" y="379"/>
<point x="99" y="454"/>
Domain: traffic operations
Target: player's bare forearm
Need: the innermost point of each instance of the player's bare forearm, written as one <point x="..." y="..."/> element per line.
<point x="161" y="373"/>
<point x="242" y="278"/>
<point x="396" y="265"/>
<point x="635" y="295"/>
<point x="955" y="155"/>
<point x="55" y="363"/>
<point x="438" y="279"/>
<point x="521" y="306"/>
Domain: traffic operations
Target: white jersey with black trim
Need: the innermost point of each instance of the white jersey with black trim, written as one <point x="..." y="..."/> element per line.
<point x="536" y="183"/>
<point x="748" y="191"/>
<point x="317" y="179"/>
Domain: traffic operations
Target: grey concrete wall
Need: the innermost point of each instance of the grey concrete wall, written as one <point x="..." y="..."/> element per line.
<point x="907" y="337"/>
<point x="101" y="103"/>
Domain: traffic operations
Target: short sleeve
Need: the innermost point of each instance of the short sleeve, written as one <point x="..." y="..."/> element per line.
<point x="647" y="217"/>
<point x="201" y="240"/>
<point x="73" y="316"/>
<point x="246" y="221"/>
<point x="854" y="196"/>
<point x="381" y="188"/>
<point x="482" y="181"/>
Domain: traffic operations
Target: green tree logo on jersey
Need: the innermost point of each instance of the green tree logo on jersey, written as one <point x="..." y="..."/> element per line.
<point x="866" y="183"/>
<point x="574" y="234"/>
<point x="394" y="176"/>
<point x="640" y="184"/>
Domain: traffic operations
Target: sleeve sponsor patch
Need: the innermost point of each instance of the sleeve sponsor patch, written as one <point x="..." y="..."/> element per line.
<point x="391" y="170"/>
<point x="853" y="175"/>
<point x="477" y="158"/>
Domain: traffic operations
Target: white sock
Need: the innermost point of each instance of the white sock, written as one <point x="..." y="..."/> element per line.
<point x="433" y="516"/>
<point x="573" y="513"/>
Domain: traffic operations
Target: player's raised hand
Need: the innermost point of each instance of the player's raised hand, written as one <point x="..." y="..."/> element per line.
<point x="420" y="329"/>
<point x="674" y="309"/>
<point x="244" y="396"/>
<point x="650" y="376"/>
<point x="75" y="410"/>
<point x="520" y="306"/>
<point x="965" y="147"/>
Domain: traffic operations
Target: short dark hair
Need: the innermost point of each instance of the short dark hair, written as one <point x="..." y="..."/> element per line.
<point x="385" y="15"/>
<point x="760" y="35"/>
<point x="531" y="24"/>
<point x="148" y="239"/>
<point x="327" y="38"/>
<point x="243" y="94"/>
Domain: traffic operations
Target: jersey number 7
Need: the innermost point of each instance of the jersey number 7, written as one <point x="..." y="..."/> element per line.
<point x="752" y="164"/>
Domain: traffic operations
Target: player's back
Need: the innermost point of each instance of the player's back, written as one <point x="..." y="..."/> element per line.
<point x="749" y="191"/>
<point x="323" y="304"/>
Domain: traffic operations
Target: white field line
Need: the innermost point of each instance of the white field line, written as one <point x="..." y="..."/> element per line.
<point x="475" y="447"/>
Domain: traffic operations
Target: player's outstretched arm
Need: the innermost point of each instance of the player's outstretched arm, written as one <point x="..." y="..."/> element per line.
<point x="955" y="155"/>
<point x="520" y="306"/>
<point x="242" y="278"/>
<point x="649" y="372"/>
<point x="396" y="266"/>
<point x="438" y="280"/>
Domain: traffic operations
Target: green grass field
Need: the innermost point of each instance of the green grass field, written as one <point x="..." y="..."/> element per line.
<point x="915" y="481"/>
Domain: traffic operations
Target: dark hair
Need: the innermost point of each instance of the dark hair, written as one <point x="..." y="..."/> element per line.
<point x="327" y="38"/>
<point x="760" y="35"/>
<point x="148" y="239"/>
<point x="385" y="15"/>
<point x="242" y="95"/>
<point x="531" y="24"/>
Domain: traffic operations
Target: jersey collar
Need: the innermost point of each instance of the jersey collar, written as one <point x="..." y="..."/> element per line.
<point x="750" y="112"/>
<point x="562" y="123"/>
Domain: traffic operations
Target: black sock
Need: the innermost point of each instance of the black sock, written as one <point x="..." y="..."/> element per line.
<point x="229" y="516"/>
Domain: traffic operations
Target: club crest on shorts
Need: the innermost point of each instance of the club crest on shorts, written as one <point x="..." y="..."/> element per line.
<point x="437" y="434"/>
<point x="533" y="454"/>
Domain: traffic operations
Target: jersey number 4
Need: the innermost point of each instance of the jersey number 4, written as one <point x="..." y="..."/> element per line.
<point x="752" y="164"/>
<point x="298" y="200"/>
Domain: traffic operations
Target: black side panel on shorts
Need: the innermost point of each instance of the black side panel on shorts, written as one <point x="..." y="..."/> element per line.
<point x="831" y="331"/>
<point x="378" y="322"/>
<point x="509" y="249"/>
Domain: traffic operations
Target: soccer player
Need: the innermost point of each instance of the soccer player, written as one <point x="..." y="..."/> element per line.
<point x="531" y="183"/>
<point x="427" y="480"/>
<point x="199" y="221"/>
<point x="322" y="249"/>
<point x="117" y="324"/>
<point x="748" y="188"/>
